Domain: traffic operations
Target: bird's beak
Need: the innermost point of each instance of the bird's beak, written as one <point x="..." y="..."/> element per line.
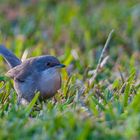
<point x="60" y="66"/>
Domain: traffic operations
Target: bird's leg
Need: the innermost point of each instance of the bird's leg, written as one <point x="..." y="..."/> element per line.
<point x="19" y="100"/>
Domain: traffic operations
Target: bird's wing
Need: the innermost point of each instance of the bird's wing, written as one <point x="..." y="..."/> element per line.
<point x="20" y="72"/>
<point x="11" y="59"/>
<point x="29" y="67"/>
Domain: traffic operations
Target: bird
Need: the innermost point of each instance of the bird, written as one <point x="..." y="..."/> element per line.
<point x="36" y="74"/>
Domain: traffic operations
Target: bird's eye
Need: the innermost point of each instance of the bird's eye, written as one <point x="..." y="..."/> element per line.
<point x="48" y="64"/>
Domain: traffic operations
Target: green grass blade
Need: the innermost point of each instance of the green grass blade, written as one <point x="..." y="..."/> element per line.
<point x="32" y="103"/>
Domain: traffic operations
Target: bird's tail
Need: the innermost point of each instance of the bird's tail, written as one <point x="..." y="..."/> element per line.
<point x="10" y="58"/>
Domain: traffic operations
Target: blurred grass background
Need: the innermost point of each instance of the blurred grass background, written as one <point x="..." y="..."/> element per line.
<point x="75" y="31"/>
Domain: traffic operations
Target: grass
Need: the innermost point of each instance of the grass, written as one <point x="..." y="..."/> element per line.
<point x="75" y="32"/>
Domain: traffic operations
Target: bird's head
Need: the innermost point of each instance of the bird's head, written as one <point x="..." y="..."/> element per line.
<point x="47" y="62"/>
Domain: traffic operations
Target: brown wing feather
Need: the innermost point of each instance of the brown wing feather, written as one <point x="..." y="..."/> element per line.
<point x="20" y="72"/>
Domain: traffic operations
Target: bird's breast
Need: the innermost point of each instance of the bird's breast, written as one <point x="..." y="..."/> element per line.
<point x="50" y="82"/>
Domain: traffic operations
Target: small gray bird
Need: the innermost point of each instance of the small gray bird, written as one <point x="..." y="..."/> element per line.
<point x="36" y="74"/>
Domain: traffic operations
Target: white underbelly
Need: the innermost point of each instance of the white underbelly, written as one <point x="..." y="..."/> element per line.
<point x="50" y="82"/>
